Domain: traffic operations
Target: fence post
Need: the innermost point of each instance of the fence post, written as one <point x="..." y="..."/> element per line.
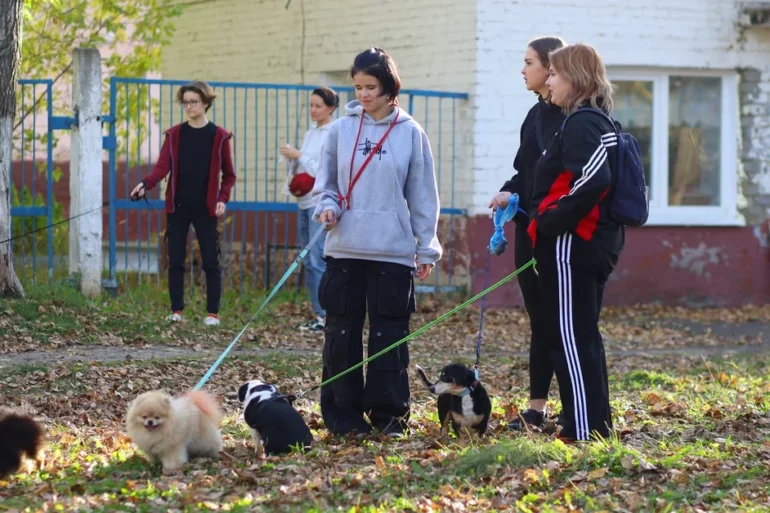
<point x="85" y="234"/>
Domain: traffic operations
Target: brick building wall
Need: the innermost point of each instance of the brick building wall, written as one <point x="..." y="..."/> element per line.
<point x="477" y="47"/>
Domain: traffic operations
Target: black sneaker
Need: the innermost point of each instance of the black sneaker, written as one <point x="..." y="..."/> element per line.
<point x="528" y="417"/>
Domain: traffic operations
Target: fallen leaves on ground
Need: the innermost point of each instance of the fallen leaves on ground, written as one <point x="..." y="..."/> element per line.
<point x="692" y="431"/>
<point x="675" y="450"/>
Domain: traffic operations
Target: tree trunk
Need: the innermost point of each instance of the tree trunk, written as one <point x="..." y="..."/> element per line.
<point x="10" y="62"/>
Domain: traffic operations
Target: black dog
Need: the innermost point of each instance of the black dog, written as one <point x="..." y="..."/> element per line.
<point x="462" y="400"/>
<point x="20" y="435"/>
<point x="272" y="419"/>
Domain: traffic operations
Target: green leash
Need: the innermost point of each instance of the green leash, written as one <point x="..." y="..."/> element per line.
<point x="451" y="312"/>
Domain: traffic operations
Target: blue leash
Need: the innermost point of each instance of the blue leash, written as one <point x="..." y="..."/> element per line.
<point x="497" y="245"/>
<point x="280" y="283"/>
<point x="481" y="318"/>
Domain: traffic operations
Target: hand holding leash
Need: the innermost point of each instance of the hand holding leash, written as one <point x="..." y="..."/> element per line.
<point x="328" y="217"/>
<point x="138" y="192"/>
<point x="500" y="200"/>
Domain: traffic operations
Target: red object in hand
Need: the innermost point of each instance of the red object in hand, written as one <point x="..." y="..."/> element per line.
<point x="301" y="184"/>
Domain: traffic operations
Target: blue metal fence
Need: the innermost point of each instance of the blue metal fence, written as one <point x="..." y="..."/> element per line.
<point x="259" y="232"/>
<point x="32" y="179"/>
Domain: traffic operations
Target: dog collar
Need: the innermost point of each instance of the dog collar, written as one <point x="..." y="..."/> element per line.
<point x="468" y="390"/>
<point x="289" y="399"/>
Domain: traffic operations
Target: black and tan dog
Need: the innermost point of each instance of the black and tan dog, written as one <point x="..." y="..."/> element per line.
<point x="462" y="400"/>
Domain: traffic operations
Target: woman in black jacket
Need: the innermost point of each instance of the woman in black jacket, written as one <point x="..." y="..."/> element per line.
<point x="576" y="241"/>
<point x="542" y="121"/>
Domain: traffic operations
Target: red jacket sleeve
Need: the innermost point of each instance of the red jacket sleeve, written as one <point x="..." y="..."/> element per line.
<point x="162" y="167"/>
<point x="228" y="174"/>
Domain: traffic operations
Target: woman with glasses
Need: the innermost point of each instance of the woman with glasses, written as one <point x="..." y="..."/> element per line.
<point x="194" y="152"/>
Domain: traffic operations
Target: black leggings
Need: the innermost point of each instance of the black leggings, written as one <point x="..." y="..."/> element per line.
<point x="540" y="367"/>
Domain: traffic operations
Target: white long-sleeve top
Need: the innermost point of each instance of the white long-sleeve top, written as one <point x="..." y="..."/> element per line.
<point x="310" y="162"/>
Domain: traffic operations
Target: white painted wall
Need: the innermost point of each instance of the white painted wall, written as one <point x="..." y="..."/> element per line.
<point x="682" y="34"/>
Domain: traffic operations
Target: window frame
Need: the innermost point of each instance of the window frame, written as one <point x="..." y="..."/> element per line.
<point x="661" y="213"/>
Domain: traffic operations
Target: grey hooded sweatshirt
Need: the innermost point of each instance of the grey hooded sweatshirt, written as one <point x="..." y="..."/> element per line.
<point x="394" y="205"/>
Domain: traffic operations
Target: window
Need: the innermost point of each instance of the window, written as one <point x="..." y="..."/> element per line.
<point x="686" y="126"/>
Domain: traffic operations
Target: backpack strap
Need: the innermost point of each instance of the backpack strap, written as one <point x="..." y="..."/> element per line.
<point x="614" y="127"/>
<point x="595" y="111"/>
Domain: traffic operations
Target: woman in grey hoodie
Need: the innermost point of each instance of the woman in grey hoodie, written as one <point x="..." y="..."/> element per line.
<point x="377" y="193"/>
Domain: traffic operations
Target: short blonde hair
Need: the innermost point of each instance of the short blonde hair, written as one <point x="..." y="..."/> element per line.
<point x="583" y="67"/>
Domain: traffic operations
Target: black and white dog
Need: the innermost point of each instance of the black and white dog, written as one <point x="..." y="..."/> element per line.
<point x="273" y="420"/>
<point x="462" y="400"/>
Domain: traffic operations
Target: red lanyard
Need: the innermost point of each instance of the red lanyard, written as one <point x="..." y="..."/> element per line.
<point x="345" y="200"/>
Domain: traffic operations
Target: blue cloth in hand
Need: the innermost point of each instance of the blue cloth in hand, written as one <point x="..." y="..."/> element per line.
<point x="498" y="242"/>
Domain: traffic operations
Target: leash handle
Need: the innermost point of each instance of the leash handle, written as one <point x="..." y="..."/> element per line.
<point x="420" y="330"/>
<point x="277" y="287"/>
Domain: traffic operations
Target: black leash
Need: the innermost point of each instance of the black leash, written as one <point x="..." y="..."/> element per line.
<point x="55" y="224"/>
<point x="105" y="204"/>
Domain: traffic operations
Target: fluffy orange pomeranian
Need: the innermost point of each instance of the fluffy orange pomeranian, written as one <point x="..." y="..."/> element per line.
<point x="175" y="429"/>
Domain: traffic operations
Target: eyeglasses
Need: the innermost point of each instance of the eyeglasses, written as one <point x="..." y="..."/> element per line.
<point x="191" y="103"/>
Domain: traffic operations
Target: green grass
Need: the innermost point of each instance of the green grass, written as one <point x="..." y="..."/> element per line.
<point x="644" y="380"/>
<point x="521" y="452"/>
<point x="58" y="310"/>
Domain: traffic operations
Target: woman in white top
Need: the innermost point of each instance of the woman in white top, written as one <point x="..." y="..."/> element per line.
<point x="299" y="183"/>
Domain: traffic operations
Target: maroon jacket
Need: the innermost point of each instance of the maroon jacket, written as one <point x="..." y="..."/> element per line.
<point x="221" y="159"/>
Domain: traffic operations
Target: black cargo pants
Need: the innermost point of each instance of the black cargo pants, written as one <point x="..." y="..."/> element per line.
<point x="349" y="289"/>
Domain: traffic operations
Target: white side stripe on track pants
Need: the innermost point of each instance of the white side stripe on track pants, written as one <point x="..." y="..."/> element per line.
<point x="564" y="273"/>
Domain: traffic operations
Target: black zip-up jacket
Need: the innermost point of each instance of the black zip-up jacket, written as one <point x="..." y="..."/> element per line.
<point x="551" y="117"/>
<point x="572" y="182"/>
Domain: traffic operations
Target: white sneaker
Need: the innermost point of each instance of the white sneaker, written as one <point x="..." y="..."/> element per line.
<point x="316" y="324"/>
<point x="211" y="320"/>
<point x="175" y="317"/>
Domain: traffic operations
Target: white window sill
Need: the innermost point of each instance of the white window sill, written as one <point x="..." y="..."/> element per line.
<point x="694" y="216"/>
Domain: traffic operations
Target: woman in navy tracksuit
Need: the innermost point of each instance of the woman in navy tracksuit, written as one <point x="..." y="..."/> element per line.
<point x="576" y="242"/>
<point x="542" y="121"/>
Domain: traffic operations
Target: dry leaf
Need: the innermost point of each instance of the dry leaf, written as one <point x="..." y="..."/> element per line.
<point x="579" y="476"/>
<point x="597" y="473"/>
<point x="651" y="398"/>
